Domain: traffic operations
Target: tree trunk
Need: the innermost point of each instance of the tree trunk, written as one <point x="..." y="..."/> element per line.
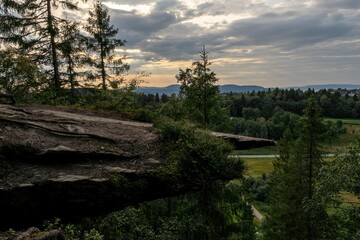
<point x="55" y="64"/>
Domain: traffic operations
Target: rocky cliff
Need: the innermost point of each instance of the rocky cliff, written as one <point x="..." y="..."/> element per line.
<point x="72" y="164"/>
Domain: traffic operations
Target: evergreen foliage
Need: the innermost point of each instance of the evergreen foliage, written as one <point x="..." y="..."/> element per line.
<point x="73" y="49"/>
<point x="33" y="28"/>
<point x="103" y="45"/>
<point x="197" y="86"/>
<point x="182" y="218"/>
<point x="334" y="103"/>
<point x="295" y="175"/>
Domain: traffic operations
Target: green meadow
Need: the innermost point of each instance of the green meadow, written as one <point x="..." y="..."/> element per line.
<point x="258" y="166"/>
<point x="347" y="121"/>
<point x="343" y="141"/>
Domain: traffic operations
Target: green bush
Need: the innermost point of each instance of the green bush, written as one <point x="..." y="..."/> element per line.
<point x="201" y="157"/>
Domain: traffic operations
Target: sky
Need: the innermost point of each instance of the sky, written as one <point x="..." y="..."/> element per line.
<point x="271" y="43"/>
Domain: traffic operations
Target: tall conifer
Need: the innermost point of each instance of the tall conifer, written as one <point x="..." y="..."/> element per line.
<point x="295" y="174"/>
<point x="103" y="44"/>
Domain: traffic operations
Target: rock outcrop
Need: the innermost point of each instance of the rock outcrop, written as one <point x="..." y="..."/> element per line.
<point x="72" y="164"/>
<point x="244" y="142"/>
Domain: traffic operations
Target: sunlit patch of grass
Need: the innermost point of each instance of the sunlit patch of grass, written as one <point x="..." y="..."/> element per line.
<point x="259" y="166"/>
<point x="344" y="120"/>
<point x="349" y="198"/>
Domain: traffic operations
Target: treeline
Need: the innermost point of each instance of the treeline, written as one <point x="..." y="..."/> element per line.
<point x="331" y="103"/>
<point x="252" y="105"/>
<point x="264" y="114"/>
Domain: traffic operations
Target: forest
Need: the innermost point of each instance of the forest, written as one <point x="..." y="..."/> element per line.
<point x="46" y="59"/>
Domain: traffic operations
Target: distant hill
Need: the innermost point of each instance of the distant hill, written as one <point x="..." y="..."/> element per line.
<point x="174" y="89"/>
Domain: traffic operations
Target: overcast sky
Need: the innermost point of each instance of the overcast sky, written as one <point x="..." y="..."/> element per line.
<point x="251" y="42"/>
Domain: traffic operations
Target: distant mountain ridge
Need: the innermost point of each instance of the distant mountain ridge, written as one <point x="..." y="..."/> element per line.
<point x="174" y="89"/>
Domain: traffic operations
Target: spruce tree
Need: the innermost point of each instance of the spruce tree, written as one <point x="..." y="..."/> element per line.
<point x="73" y="46"/>
<point x="33" y="27"/>
<point x="103" y="44"/>
<point x="198" y="87"/>
<point x="295" y="175"/>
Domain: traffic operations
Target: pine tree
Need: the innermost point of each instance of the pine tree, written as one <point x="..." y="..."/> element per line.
<point x="32" y="26"/>
<point x="199" y="89"/>
<point x="295" y="175"/>
<point x="72" y="47"/>
<point x="103" y="44"/>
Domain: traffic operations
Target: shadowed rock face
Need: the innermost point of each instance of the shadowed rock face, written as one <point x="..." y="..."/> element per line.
<point x="58" y="163"/>
<point x="244" y="142"/>
<point x="72" y="164"/>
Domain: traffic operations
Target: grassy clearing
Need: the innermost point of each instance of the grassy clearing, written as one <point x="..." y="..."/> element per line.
<point x="346" y="121"/>
<point x="258" y="166"/>
<point x="343" y="141"/>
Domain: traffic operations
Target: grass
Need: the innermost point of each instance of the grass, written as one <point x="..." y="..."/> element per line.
<point x="347" y="121"/>
<point x="343" y="141"/>
<point x="258" y="166"/>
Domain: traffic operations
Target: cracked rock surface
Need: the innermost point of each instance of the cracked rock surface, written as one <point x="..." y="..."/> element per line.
<point x="61" y="162"/>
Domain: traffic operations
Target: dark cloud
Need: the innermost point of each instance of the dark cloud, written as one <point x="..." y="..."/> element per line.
<point x="339" y="4"/>
<point x="288" y="30"/>
<point x="178" y="42"/>
<point x="136" y="28"/>
<point x="144" y="24"/>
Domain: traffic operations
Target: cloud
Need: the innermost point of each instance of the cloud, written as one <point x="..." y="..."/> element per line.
<point x="288" y="30"/>
<point x="136" y="28"/>
<point x="339" y="4"/>
<point x="264" y="40"/>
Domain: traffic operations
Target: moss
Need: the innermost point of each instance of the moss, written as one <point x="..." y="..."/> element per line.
<point x="118" y="180"/>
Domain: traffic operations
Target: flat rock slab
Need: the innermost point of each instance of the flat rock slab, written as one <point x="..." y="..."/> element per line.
<point x="244" y="142"/>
